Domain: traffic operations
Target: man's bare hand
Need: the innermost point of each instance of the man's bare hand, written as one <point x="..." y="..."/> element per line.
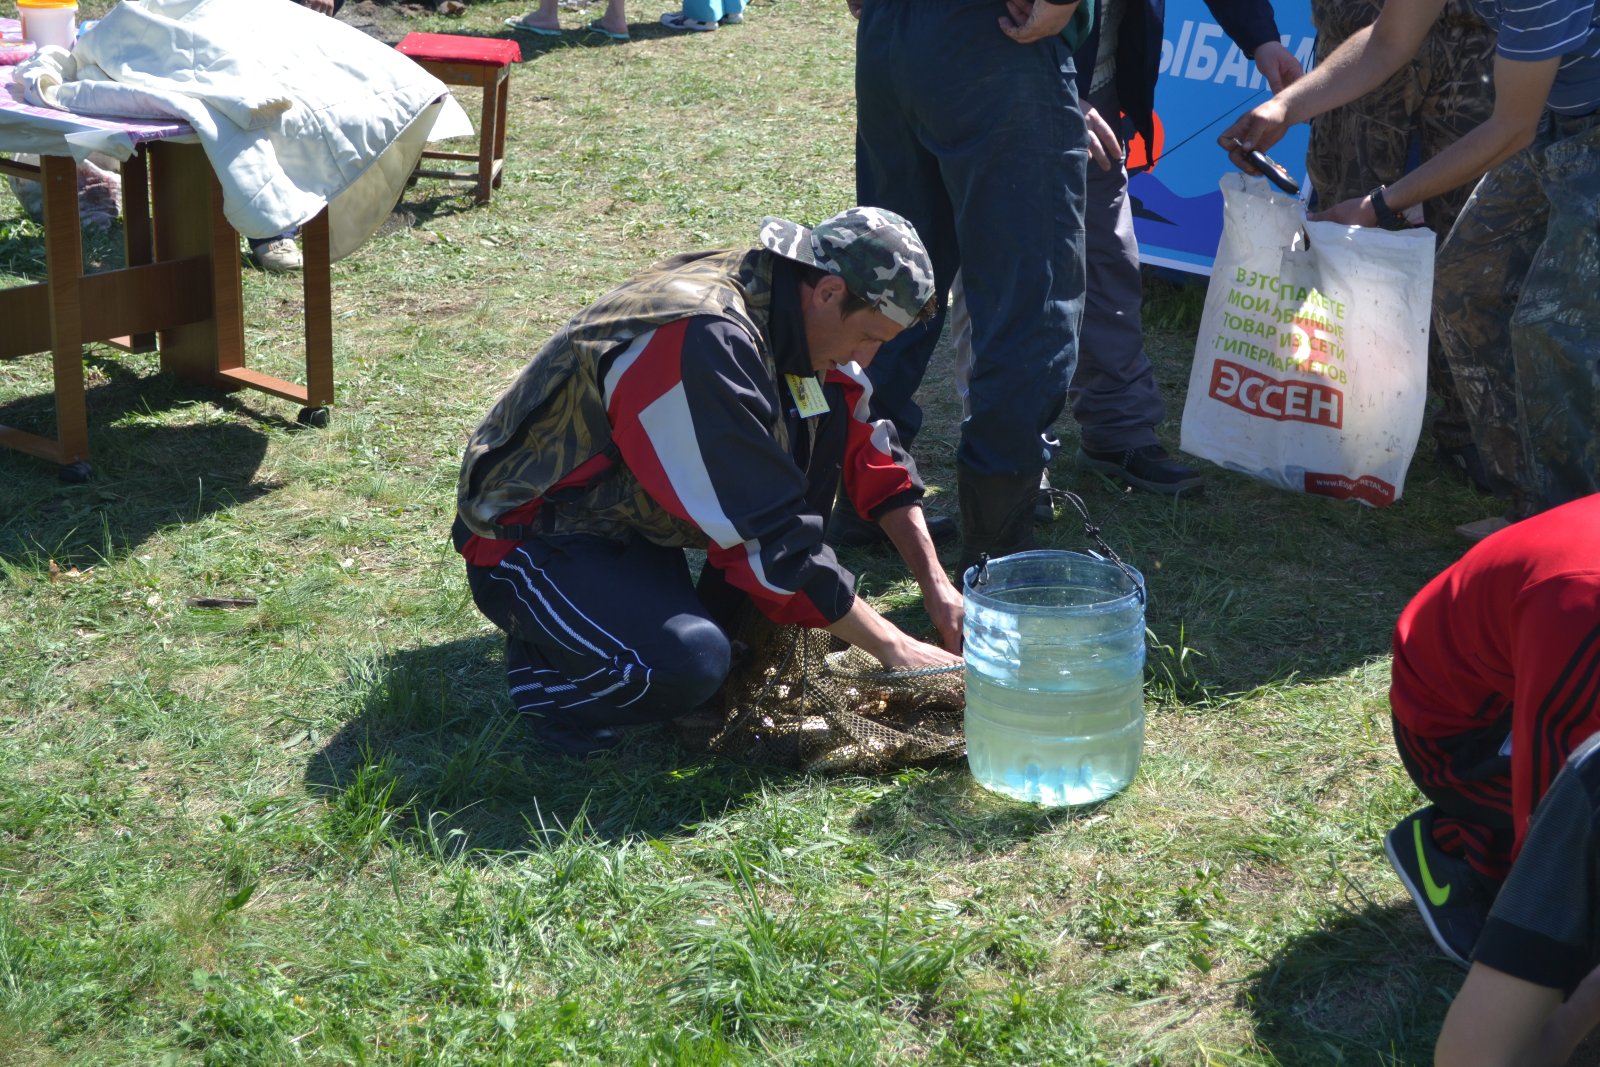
<point x="1034" y="20"/>
<point x="854" y="6"/>
<point x="1105" y="147"/>
<point x="321" y="7"/>
<point x="909" y="654"/>
<point x="944" y="606"/>
<point x="1261" y="128"/>
<point x="1278" y="65"/>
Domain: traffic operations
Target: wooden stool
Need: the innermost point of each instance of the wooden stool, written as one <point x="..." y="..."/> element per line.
<point x="484" y="62"/>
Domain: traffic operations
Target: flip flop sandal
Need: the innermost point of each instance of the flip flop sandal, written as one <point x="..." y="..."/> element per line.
<point x="518" y="24"/>
<point x="595" y="27"/>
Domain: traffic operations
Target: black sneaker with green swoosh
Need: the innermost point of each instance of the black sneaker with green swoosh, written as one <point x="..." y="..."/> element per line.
<point x="1448" y="892"/>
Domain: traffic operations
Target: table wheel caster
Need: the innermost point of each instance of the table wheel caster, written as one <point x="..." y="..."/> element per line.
<point x="316" y="417"/>
<point x="74" y="473"/>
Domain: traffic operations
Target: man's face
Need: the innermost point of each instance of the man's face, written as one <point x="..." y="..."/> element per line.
<point x="835" y="338"/>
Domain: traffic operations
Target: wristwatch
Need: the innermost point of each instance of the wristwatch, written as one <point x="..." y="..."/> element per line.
<point x="1388" y="217"/>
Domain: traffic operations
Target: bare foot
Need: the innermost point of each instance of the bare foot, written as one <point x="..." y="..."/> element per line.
<point x="533" y="24"/>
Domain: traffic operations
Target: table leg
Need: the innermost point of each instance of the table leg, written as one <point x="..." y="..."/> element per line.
<point x="317" y="281"/>
<point x="48" y="315"/>
<point x="486" y="141"/>
<point x="137" y="244"/>
<point x="502" y="94"/>
<point x="63" y="250"/>
<point x="186" y="204"/>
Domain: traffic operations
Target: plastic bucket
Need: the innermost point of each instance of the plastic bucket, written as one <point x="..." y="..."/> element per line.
<point x="47" y="22"/>
<point x="1054" y="654"/>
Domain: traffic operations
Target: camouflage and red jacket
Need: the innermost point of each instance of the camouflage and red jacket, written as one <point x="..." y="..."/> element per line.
<point x="661" y="412"/>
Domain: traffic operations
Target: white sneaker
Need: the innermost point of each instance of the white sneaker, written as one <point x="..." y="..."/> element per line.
<point x="732" y="18"/>
<point x="677" y="20"/>
<point x="281" y="254"/>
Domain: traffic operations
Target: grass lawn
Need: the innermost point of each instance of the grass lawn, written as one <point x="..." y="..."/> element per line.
<point x="311" y="830"/>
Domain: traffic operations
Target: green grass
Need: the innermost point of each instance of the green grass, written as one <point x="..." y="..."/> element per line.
<point x="311" y="830"/>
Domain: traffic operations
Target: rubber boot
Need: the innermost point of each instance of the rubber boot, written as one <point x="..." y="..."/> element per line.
<point x="996" y="513"/>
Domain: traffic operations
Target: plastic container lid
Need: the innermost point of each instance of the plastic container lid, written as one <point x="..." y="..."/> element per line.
<point x="47" y="3"/>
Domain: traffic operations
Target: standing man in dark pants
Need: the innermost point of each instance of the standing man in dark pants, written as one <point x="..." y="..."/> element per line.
<point x="968" y="125"/>
<point x="1115" y="397"/>
<point x="1114" y="394"/>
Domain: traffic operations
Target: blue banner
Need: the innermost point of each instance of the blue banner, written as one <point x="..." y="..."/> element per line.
<point x="1206" y="82"/>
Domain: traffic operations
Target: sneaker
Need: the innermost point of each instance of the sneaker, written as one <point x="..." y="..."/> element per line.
<point x="1479" y="529"/>
<point x="677" y="20"/>
<point x="567" y="739"/>
<point x="846" y="529"/>
<point x="1150" y="468"/>
<point x="279" y="254"/>
<point x="732" y="18"/>
<point x="1448" y="892"/>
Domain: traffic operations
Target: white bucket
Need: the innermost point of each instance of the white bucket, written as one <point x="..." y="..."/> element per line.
<point x="47" y="25"/>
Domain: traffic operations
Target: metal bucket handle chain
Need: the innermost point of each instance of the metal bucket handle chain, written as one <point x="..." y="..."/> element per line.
<point x="1091" y="530"/>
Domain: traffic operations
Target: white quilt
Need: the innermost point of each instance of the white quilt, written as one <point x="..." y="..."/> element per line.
<point x="295" y="110"/>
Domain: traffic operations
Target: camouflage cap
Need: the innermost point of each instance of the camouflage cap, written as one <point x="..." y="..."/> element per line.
<point x="876" y="252"/>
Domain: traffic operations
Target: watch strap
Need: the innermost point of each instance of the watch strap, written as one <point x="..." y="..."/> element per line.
<point x="1388" y="217"/>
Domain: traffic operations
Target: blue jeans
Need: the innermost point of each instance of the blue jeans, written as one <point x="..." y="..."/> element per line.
<point x="978" y="141"/>
<point x="261" y="242"/>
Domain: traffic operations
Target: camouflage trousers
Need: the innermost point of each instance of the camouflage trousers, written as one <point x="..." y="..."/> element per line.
<point x="1444" y="92"/>
<point x="1517" y="303"/>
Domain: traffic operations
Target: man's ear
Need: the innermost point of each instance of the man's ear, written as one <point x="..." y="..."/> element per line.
<point x="829" y="288"/>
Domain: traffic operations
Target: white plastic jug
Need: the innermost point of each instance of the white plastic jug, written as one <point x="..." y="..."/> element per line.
<point x="47" y="22"/>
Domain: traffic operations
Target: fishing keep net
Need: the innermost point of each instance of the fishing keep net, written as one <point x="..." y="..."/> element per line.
<point x="794" y="699"/>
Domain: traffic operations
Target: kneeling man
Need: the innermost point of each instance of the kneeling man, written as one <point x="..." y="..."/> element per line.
<point x="713" y="401"/>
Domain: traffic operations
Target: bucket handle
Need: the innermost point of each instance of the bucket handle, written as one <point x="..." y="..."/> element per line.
<point x="1101" y="551"/>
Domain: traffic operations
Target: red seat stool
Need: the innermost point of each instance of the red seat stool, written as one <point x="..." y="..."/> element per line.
<point x="484" y="62"/>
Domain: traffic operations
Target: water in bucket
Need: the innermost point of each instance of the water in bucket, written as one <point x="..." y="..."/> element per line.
<point x="1055" y="676"/>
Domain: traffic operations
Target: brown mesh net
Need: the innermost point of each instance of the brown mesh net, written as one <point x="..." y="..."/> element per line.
<point x="793" y="700"/>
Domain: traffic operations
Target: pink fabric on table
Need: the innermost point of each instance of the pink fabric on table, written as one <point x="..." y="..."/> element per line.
<point x="448" y="47"/>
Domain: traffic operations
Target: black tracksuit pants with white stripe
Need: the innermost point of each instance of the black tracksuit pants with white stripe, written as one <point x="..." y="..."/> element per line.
<point x="599" y="633"/>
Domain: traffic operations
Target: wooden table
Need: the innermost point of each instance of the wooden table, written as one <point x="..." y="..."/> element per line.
<point x="180" y="291"/>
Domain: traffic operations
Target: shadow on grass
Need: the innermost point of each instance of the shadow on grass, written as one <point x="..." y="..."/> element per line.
<point x="1369" y="987"/>
<point x="436" y="741"/>
<point x="150" y="472"/>
<point x="943" y="815"/>
<point x="428" y="200"/>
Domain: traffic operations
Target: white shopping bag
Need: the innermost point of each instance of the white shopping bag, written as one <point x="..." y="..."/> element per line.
<point x="1310" y="370"/>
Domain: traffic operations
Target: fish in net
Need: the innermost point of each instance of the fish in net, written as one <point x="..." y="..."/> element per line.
<point x="794" y="699"/>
